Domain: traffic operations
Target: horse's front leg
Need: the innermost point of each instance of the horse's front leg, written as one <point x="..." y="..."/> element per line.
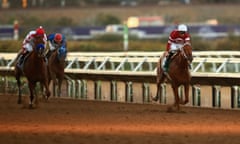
<point x="186" y="92"/>
<point x="160" y="79"/>
<point x="19" y="91"/>
<point x="59" y="86"/>
<point x="31" y="86"/>
<point x="19" y="87"/>
<point x="47" y="91"/>
<point x="55" y="86"/>
<point x="176" y="102"/>
<point x="42" y="90"/>
<point x="158" y="92"/>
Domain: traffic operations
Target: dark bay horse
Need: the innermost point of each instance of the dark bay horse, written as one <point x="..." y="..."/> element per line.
<point x="178" y="74"/>
<point x="35" y="70"/>
<point x="56" y="65"/>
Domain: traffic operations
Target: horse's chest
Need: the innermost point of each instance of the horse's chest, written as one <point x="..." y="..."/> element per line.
<point x="37" y="72"/>
<point x="181" y="76"/>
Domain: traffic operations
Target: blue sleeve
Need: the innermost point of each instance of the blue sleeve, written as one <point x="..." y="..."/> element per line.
<point x="64" y="41"/>
<point x="50" y="37"/>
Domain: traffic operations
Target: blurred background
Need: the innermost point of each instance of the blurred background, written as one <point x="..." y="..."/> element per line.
<point x="103" y="25"/>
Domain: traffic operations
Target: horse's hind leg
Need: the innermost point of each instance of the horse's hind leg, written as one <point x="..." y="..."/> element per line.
<point x="158" y="92"/>
<point x="19" y="87"/>
<point x="160" y="79"/>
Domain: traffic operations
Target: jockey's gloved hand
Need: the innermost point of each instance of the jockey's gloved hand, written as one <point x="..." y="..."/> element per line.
<point x="56" y="45"/>
<point x="170" y="53"/>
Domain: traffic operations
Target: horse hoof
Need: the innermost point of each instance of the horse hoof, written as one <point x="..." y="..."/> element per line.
<point x="30" y="106"/>
<point x="170" y="110"/>
<point x="48" y="95"/>
<point x="155" y="98"/>
<point x="183" y="102"/>
<point x="19" y="102"/>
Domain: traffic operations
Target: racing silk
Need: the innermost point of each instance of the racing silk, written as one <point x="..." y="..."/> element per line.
<point x="53" y="45"/>
<point x="28" y="42"/>
<point x="176" y="40"/>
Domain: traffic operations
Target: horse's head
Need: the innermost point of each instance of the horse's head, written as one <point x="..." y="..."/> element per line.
<point x="39" y="46"/>
<point x="62" y="53"/>
<point x="187" y="52"/>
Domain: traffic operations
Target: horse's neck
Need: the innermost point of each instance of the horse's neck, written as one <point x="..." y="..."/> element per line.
<point x="181" y="60"/>
<point x="33" y="61"/>
<point x="57" y="59"/>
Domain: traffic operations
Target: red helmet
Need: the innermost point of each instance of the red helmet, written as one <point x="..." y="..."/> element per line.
<point x="40" y="31"/>
<point x="58" y="38"/>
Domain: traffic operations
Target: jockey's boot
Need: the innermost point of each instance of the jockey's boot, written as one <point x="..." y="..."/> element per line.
<point x="46" y="59"/>
<point x="21" y="58"/>
<point x="49" y="53"/>
<point x="167" y="62"/>
<point x="190" y="66"/>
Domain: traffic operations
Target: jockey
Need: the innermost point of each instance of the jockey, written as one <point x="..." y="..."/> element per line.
<point x="177" y="39"/>
<point x="27" y="45"/>
<point x="56" y="40"/>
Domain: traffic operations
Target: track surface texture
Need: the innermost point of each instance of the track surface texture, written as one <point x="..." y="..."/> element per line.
<point x="66" y="121"/>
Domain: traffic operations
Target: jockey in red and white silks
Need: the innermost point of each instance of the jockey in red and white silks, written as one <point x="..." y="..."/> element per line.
<point x="27" y="45"/>
<point x="176" y="40"/>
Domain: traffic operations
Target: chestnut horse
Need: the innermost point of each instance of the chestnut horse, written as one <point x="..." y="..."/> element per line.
<point x="178" y="74"/>
<point x="35" y="70"/>
<point x="56" y="65"/>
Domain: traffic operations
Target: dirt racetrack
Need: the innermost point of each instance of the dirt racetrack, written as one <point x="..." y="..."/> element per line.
<point x="66" y="121"/>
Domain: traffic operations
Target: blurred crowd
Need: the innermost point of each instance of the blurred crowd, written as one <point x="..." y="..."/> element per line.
<point x="82" y="3"/>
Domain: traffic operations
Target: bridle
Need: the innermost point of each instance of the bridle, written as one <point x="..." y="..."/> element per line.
<point x="189" y="59"/>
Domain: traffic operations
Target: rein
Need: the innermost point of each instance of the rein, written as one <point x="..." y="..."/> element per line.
<point x="185" y="55"/>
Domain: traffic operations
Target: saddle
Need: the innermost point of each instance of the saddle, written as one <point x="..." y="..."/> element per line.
<point x="167" y="60"/>
<point x="21" y="61"/>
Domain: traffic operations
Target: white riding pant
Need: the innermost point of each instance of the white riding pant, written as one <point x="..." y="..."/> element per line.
<point x="175" y="47"/>
<point x="51" y="47"/>
<point x="28" y="47"/>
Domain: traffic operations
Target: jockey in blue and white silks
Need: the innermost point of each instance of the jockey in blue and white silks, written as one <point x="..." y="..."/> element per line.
<point x="56" y="41"/>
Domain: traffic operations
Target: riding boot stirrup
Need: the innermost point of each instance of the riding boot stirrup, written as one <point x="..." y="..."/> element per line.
<point x="21" y="58"/>
<point x="166" y="64"/>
